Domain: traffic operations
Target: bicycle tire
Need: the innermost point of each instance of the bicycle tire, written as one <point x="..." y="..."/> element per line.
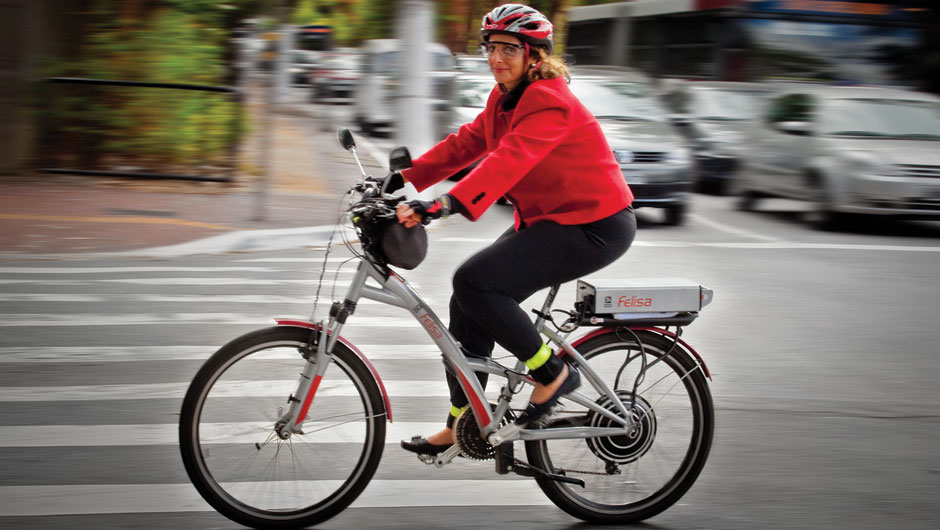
<point x="552" y="455"/>
<point x="218" y="464"/>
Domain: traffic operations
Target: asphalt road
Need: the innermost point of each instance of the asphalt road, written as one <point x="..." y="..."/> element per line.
<point x="823" y="348"/>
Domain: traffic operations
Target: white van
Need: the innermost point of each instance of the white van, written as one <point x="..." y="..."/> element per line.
<point x="375" y="95"/>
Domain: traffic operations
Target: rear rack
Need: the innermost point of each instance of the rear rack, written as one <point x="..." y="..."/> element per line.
<point x="679" y="319"/>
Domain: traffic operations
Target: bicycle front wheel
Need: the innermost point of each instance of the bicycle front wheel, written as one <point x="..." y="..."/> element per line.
<point x="631" y="478"/>
<point x="235" y="458"/>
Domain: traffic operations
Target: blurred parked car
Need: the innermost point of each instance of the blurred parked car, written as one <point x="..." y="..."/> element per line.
<point x="376" y="93"/>
<point x="303" y="63"/>
<point x="654" y="158"/>
<point x="472" y="91"/>
<point x="335" y="79"/>
<point x="718" y="118"/>
<point x="848" y="150"/>
<point x="473" y="65"/>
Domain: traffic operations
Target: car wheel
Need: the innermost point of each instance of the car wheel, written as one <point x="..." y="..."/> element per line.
<point x="747" y="200"/>
<point x="821" y="214"/>
<point x="675" y="215"/>
<point x="822" y="217"/>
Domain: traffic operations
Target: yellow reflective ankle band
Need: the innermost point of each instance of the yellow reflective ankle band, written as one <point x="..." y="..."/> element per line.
<point x="455" y="412"/>
<point x="540" y="357"/>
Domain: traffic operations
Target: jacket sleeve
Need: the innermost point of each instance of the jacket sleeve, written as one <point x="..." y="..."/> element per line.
<point x="450" y="155"/>
<point x="540" y="123"/>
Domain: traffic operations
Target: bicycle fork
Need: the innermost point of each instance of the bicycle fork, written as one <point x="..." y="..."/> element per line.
<point x="325" y="335"/>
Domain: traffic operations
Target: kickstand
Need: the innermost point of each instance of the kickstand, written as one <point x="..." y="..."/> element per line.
<point x="506" y="463"/>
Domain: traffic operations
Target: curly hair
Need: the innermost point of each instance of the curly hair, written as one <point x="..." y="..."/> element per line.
<point x="549" y="66"/>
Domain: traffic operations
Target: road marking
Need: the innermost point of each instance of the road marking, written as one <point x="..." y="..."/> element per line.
<point x="730" y="229"/>
<point x="99" y="354"/>
<point x="182" y="281"/>
<point x="297" y="260"/>
<point x="99" y="270"/>
<point x="247" y="432"/>
<point x="58" y="319"/>
<point x="772" y="244"/>
<point x="380" y="158"/>
<point x="25" y="501"/>
<point x="170" y="298"/>
<point x="115" y="219"/>
<point x="272" y="388"/>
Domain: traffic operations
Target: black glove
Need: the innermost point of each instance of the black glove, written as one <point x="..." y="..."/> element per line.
<point x="439" y="207"/>
<point x="395" y="182"/>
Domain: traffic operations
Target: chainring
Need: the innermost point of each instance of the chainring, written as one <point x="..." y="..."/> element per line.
<point x="468" y="437"/>
<point x="628" y="447"/>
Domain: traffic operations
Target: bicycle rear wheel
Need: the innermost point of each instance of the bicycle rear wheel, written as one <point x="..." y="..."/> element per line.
<point x="236" y="460"/>
<point x="629" y="479"/>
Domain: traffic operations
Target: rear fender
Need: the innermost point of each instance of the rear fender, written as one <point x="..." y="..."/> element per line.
<point x="297" y="323"/>
<point x="659" y="331"/>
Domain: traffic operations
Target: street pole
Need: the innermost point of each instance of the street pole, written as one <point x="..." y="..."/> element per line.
<point x="273" y="86"/>
<point x="414" y="31"/>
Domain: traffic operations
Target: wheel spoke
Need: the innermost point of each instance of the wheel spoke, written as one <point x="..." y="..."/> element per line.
<point x="243" y="467"/>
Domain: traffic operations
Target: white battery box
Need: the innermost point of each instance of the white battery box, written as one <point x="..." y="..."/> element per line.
<point x="614" y="298"/>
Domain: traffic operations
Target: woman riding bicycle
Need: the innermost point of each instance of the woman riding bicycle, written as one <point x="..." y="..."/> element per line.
<point x="546" y="153"/>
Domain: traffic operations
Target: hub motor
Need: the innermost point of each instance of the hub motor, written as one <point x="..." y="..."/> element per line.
<point x="628" y="447"/>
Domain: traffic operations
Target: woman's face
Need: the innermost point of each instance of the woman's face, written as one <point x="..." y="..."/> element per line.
<point x="508" y="61"/>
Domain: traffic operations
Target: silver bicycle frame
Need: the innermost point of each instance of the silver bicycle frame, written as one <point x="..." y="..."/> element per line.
<point x="395" y="290"/>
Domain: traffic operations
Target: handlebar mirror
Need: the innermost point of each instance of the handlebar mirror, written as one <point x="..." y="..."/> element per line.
<point x="346" y="139"/>
<point x="399" y="159"/>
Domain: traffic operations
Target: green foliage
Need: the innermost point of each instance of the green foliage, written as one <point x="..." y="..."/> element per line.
<point x="166" y="41"/>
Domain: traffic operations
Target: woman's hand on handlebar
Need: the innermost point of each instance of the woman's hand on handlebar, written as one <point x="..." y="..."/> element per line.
<point x="418" y="211"/>
<point x="407" y="215"/>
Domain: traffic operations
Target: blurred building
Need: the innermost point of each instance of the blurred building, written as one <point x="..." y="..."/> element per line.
<point x="836" y="41"/>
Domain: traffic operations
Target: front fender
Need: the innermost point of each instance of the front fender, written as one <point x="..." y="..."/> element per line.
<point x="666" y="333"/>
<point x="297" y="323"/>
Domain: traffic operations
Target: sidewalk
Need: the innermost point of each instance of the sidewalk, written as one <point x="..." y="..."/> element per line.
<point x="50" y="215"/>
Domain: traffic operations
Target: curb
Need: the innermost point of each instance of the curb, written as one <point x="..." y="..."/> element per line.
<point x="238" y="241"/>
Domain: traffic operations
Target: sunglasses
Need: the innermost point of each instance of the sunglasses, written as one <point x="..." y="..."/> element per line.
<point x="507" y="50"/>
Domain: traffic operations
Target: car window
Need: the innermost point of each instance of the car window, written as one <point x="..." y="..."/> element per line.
<point x="476" y="65"/>
<point x="793" y="107"/>
<point x="726" y="105"/>
<point x="340" y="62"/>
<point x="387" y="62"/>
<point x="606" y="102"/>
<point x="473" y="93"/>
<point x="881" y="118"/>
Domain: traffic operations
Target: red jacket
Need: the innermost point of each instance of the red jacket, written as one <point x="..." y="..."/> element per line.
<point x="548" y="155"/>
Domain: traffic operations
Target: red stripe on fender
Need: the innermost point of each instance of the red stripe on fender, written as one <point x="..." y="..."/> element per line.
<point x="603" y="331"/>
<point x="308" y="400"/>
<point x="480" y="410"/>
<point x="714" y="4"/>
<point x="375" y="374"/>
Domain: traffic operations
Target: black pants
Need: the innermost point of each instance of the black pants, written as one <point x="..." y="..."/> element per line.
<point x="491" y="284"/>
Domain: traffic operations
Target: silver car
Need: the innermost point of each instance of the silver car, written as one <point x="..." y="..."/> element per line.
<point x="848" y="150"/>
<point x="655" y="160"/>
<point x="718" y="118"/>
<point x="377" y="92"/>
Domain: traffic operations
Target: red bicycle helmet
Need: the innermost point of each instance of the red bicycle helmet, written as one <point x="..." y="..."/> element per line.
<point x="521" y="21"/>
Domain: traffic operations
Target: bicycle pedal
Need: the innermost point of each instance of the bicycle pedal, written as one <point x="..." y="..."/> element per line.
<point x="427" y="459"/>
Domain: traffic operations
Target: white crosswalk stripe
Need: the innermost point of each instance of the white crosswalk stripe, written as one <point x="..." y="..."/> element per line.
<point x="97" y="354"/>
<point x="273" y="388"/>
<point x="168" y="434"/>
<point x="160" y="319"/>
<point x="158" y="498"/>
<point x="110" y="297"/>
